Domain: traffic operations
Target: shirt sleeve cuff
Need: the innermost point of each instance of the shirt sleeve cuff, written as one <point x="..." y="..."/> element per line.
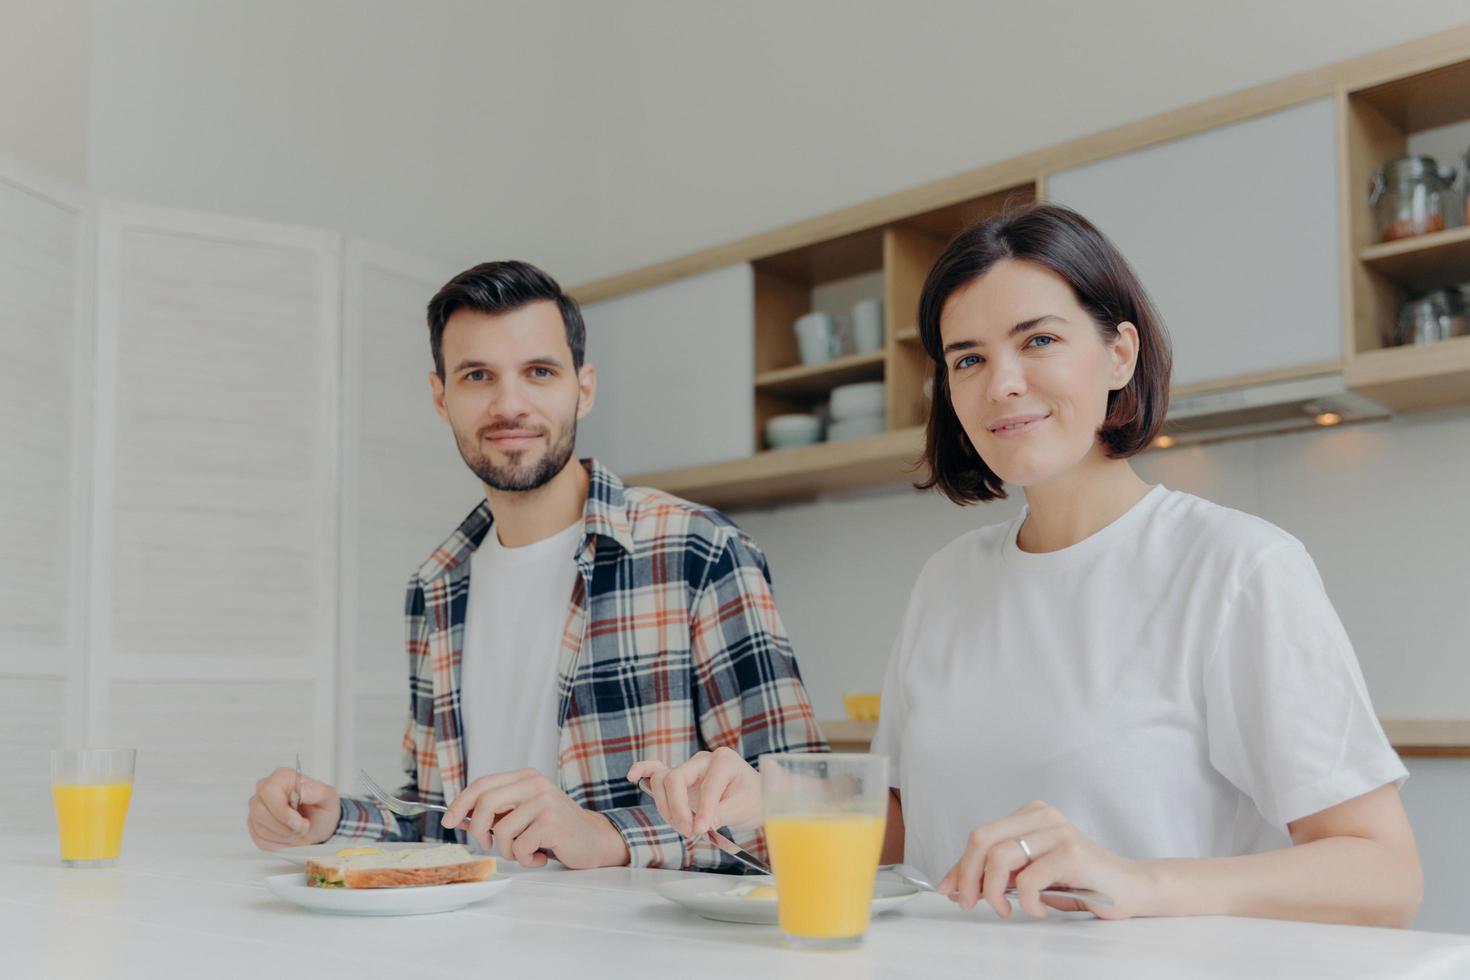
<point x="1338" y="788"/>
<point x="651" y="842"/>
<point x="363" y="819"/>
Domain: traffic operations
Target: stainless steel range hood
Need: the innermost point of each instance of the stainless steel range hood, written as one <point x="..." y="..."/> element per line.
<point x="1279" y="406"/>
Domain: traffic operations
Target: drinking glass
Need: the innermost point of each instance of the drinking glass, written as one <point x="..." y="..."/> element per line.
<point x="91" y="789"/>
<point x="824" y="817"/>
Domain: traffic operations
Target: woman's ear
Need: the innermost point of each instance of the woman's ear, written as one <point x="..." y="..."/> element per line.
<point x="1124" y="354"/>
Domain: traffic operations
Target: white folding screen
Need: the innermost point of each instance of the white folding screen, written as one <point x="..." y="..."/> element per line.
<point x="213" y="631"/>
<point x="404" y="489"/>
<point x="219" y="464"/>
<point x="45" y="376"/>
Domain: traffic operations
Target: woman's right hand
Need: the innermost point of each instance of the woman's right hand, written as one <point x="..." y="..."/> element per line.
<point x="713" y="789"/>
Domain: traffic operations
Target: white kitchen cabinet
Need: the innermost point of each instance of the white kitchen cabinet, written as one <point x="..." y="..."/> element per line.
<point x="1234" y="232"/>
<point x="674" y="369"/>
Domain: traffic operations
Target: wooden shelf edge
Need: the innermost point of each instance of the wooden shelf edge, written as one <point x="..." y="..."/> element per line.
<point x="1429" y="737"/>
<point x="786" y="475"/>
<point x="1414" y="377"/>
<point x="835" y="368"/>
<point x="1432" y="242"/>
<point x="844" y="734"/>
<point x="1410" y="737"/>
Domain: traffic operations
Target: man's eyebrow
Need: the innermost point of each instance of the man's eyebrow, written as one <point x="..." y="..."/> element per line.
<point x="548" y="360"/>
<point x="1021" y="327"/>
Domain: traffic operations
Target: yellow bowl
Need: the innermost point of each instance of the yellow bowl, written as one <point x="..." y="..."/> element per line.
<point x="861" y="707"/>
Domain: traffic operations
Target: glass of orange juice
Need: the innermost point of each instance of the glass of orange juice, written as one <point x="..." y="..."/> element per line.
<point x="91" y="789"/>
<point x="824" y="816"/>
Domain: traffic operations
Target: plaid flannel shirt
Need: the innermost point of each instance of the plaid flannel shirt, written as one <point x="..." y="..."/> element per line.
<point x="671" y="645"/>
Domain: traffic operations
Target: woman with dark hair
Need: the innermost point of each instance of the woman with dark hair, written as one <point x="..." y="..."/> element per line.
<point x="1166" y="673"/>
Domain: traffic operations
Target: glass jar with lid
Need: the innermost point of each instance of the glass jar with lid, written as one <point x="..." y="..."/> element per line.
<point x="1411" y="196"/>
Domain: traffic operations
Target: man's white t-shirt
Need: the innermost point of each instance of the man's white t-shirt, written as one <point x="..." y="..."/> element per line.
<point x="513" y="626"/>
<point x="1177" y="685"/>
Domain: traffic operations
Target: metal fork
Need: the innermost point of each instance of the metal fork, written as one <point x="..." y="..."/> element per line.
<point x="913" y="876"/>
<point x="404" y="808"/>
<point x="412" y="808"/>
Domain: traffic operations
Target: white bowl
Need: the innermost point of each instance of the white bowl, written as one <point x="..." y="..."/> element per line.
<point x="785" y="431"/>
<point x="859" y="400"/>
<point x="866" y="425"/>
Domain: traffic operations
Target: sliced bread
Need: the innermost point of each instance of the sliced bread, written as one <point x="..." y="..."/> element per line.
<point x="443" y="865"/>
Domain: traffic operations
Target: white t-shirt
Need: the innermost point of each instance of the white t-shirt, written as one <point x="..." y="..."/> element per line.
<point x="512" y="647"/>
<point x="1177" y="685"/>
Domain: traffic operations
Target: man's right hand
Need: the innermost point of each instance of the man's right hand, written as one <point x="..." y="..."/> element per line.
<point x="712" y="789"/>
<point x="274" y="824"/>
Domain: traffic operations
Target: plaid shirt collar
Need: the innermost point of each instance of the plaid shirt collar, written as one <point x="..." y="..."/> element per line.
<point x="605" y="515"/>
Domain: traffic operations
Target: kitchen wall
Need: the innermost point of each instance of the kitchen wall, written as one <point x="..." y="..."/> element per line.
<point x="45" y="51"/>
<point x="455" y="129"/>
<point x="596" y="137"/>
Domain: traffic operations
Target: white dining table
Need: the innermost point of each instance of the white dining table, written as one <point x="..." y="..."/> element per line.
<point x="197" y="906"/>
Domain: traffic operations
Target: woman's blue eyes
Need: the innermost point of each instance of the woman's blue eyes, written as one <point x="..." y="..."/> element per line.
<point x="970" y="360"/>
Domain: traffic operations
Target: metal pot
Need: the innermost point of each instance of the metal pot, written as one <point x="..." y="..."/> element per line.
<point x="1437" y="315"/>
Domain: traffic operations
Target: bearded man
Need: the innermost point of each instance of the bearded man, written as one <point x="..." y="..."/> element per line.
<point x="569" y="627"/>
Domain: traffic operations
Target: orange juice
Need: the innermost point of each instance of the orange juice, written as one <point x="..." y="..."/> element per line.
<point x="90" y="819"/>
<point x="824" y="867"/>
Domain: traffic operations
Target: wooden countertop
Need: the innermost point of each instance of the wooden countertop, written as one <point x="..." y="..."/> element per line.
<point x="1412" y="737"/>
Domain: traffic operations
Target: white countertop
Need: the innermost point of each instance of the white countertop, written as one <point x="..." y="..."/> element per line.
<point x="196" y="906"/>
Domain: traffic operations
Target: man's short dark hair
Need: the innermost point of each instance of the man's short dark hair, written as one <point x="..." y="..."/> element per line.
<point x="499" y="287"/>
<point x="1063" y="241"/>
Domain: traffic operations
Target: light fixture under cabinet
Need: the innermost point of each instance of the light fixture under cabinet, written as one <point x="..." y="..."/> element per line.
<point x="1274" y="407"/>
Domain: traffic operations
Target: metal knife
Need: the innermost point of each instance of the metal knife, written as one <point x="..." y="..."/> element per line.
<point x="722" y="842"/>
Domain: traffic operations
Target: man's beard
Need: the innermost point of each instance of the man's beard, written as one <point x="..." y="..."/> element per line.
<point x="515" y="477"/>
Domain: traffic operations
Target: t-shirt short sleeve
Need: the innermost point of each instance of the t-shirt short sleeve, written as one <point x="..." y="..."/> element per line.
<point x="1288" y="717"/>
<point x="892" y="712"/>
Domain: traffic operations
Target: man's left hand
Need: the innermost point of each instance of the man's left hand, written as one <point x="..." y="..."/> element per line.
<point x="524" y="815"/>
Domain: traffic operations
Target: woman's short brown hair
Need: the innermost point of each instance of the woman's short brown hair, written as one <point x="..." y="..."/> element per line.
<point x="1070" y="246"/>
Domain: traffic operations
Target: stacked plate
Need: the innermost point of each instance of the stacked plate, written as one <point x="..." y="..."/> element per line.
<point x="857" y="410"/>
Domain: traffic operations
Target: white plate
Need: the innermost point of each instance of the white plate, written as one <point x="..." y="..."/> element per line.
<point x="318" y="852"/>
<point x="717" y="897"/>
<point x="383" y="901"/>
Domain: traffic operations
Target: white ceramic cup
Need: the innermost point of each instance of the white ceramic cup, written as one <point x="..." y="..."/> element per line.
<point x="867" y="326"/>
<point x="816" y="334"/>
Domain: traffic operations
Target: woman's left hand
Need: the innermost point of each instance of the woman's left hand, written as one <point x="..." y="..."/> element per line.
<point x="994" y="858"/>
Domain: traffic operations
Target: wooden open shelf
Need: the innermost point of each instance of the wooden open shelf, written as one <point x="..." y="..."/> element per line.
<point x="1425" y="99"/>
<point x="786" y="285"/>
<point x="1376" y="122"/>
<point x="1383" y="98"/>
<point x="816" y="380"/>
<point x="1415" y="377"/>
<point x="781" y="475"/>
<point x="1424" y="262"/>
